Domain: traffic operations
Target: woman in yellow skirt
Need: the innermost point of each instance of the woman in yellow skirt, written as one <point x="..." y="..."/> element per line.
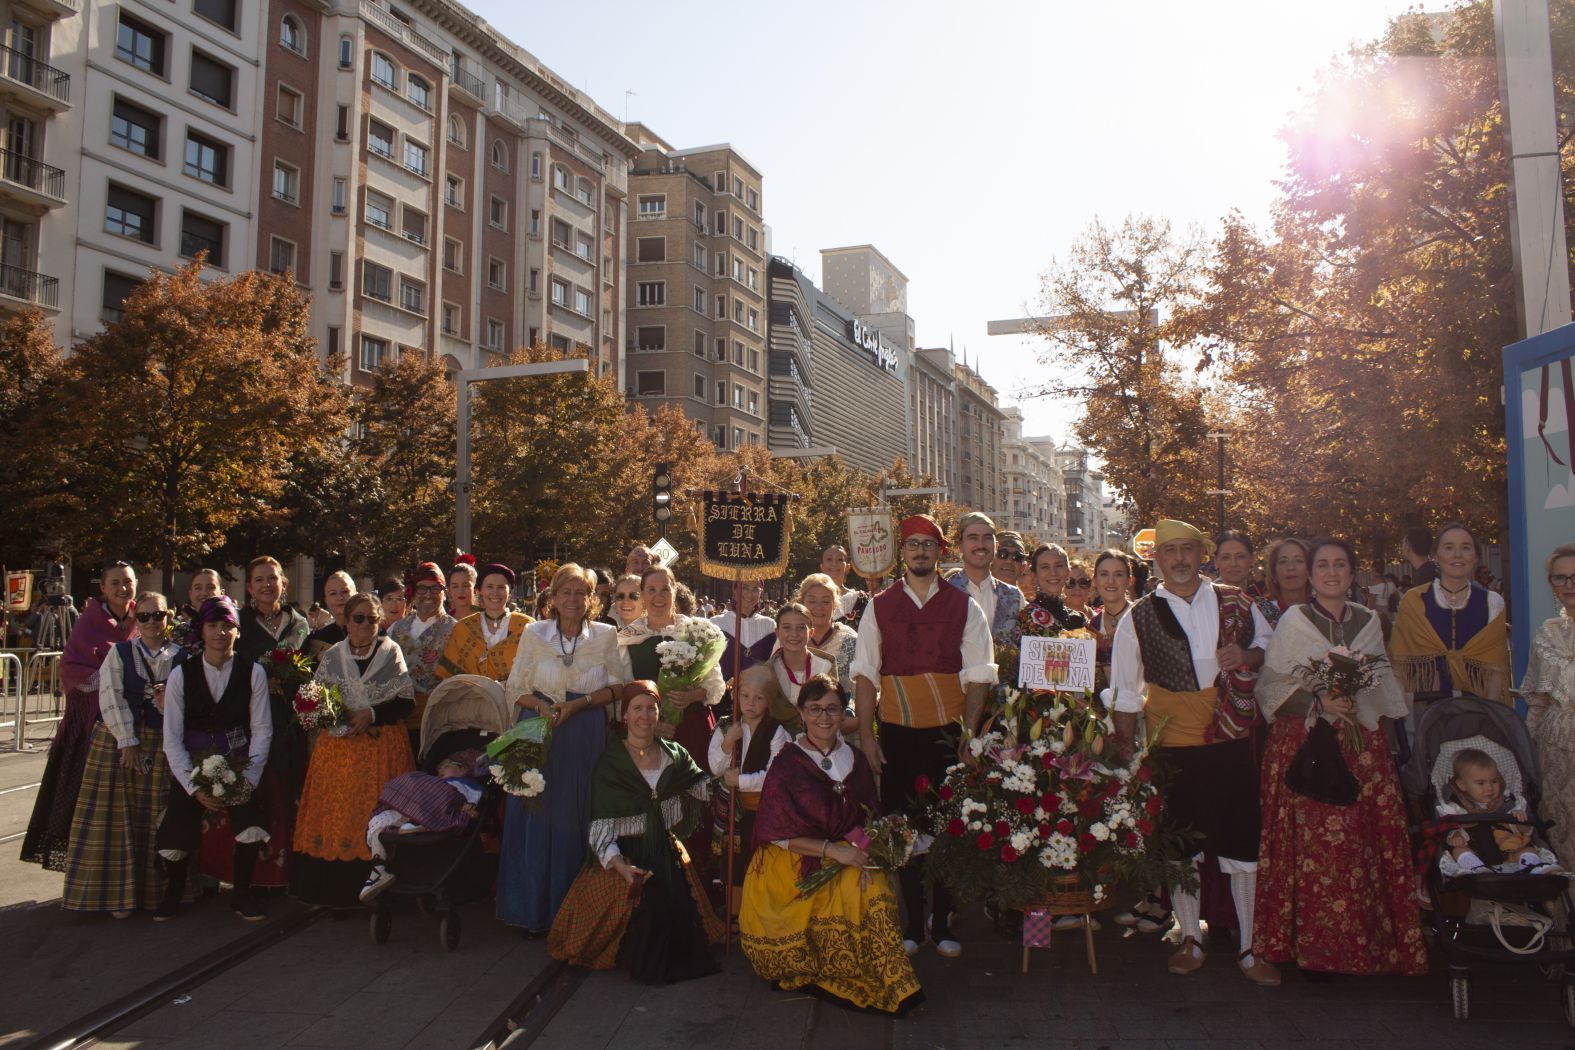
<point x="842" y="941"/>
<point x="351" y="764"/>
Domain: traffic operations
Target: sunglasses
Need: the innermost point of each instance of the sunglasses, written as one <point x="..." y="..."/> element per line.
<point x="632" y="596"/>
<point x="149" y="617"/>
<point x="1081" y="581"/>
<point x="1017" y="556"/>
<point x="362" y="618"/>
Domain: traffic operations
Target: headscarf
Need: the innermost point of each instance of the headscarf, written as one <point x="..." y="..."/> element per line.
<point x="921" y="525"/>
<point x="1169" y="530"/>
<point x="638" y="687"/>
<point x="218" y="609"/>
<point x="495" y="569"/>
<point x="426" y="572"/>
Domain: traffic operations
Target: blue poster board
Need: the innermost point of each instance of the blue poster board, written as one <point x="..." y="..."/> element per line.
<point x="1539" y="429"/>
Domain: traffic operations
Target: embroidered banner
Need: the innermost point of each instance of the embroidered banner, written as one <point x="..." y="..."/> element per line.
<point x="744" y="536"/>
<point x="872" y="542"/>
<point x="19" y="591"/>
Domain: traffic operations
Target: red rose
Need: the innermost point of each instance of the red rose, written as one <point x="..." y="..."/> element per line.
<point x="945" y="793"/>
<point x="1002" y="829"/>
<point x="1132" y="839"/>
<point x="279" y="656"/>
<point x="1146" y="826"/>
<point x="1050" y="803"/>
<point x="1024" y="806"/>
<point x="921" y="785"/>
<point x="956" y="828"/>
<point x="1039" y="616"/>
<point x="1087" y="843"/>
<point x="985" y="840"/>
<point x="1064" y="827"/>
<point x="1153" y="805"/>
<point x="1008" y="854"/>
<point x="1144" y="773"/>
<point x="1114" y="789"/>
<point x="1049" y="760"/>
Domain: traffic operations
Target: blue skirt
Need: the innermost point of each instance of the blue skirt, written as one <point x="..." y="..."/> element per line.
<point x="544" y="843"/>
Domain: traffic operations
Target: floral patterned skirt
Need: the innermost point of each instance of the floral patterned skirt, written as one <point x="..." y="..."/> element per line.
<point x="1335" y="886"/>
<point x="1555" y="736"/>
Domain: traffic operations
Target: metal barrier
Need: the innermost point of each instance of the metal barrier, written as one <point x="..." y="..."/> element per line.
<point x="37" y="682"/>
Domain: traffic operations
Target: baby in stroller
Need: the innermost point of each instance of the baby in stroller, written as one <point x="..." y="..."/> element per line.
<point x="417" y="802"/>
<point x="1476" y="788"/>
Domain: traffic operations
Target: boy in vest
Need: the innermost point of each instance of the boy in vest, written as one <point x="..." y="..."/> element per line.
<point x="926" y="648"/>
<point x="1171" y="660"/>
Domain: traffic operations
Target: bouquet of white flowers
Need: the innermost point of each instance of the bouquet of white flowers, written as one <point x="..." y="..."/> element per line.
<point x="219" y="776"/>
<point x="516" y="758"/>
<point x="688" y="651"/>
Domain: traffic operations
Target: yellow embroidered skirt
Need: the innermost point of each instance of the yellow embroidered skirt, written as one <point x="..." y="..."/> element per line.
<point x="842" y="939"/>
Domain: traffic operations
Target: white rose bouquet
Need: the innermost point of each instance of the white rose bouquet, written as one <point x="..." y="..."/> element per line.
<point x="688" y="652"/>
<point x="221" y="777"/>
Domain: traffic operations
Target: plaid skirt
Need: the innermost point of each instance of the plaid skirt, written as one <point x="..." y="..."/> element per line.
<point x="111" y="862"/>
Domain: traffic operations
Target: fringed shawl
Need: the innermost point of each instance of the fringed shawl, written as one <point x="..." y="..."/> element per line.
<point x="645" y="821"/>
<point x="92" y="637"/>
<point x="385" y="678"/>
<point x="1416" y="648"/>
<point x="800" y="801"/>
<point x="1298" y="641"/>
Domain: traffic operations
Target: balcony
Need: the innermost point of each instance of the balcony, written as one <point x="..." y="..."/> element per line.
<point x="33" y="82"/>
<point x="399" y="29"/>
<point x="53" y="9"/>
<point x="31" y="181"/>
<point x="464" y="80"/>
<point x="19" y="286"/>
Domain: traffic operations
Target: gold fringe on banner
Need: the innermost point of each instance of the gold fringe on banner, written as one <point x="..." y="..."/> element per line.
<point x="716" y="514"/>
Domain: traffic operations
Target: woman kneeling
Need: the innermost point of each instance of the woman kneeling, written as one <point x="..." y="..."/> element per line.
<point x="637" y="903"/>
<point x="842" y="940"/>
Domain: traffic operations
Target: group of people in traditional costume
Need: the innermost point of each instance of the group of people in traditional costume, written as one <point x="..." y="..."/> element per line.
<point x="841" y="705"/>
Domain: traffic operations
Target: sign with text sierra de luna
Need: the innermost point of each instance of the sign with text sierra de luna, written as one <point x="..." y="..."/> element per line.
<point x="744" y="535"/>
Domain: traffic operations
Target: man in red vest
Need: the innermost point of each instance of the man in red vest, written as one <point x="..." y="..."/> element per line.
<point x="926" y="648"/>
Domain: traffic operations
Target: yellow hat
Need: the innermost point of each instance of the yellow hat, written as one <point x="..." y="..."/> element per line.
<point x="1169" y="530"/>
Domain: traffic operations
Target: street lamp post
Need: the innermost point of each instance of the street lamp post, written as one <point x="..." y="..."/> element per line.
<point x="463" y="380"/>
<point x="1221" y="491"/>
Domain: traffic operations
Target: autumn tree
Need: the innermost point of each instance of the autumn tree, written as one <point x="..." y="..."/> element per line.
<point x="187" y="412"/>
<point x="35" y="435"/>
<point x="1113" y="347"/>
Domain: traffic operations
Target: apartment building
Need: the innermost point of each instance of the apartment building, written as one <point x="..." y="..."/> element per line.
<point x="697" y="288"/>
<point x="1034" y="489"/>
<point x="1085" y="501"/>
<point x="932" y="401"/>
<point x="980" y="431"/>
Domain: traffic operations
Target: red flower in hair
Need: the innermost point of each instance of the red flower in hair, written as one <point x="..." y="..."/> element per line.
<point x="921" y="785"/>
<point x="956" y="828"/>
<point x="985" y="840"/>
<point x="1087" y="843"/>
<point x="1008" y="854"/>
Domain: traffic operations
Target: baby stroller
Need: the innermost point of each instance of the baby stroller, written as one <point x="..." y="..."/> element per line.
<point x="1469" y="911"/>
<point x="441" y="869"/>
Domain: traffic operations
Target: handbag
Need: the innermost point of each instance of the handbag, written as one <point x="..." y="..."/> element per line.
<point x="1319" y="771"/>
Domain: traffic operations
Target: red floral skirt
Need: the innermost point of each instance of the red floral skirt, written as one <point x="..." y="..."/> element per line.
<point x="1335" y="886"/>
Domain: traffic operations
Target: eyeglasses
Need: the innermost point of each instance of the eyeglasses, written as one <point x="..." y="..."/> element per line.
<point x="362" y="618"/>
<point x="429" y="588"/>
<point x="1017" y="556"/>
<point x="822" y="713"/>
<point x="1561" y="579"/>
<point x="1081" y="581"/>
<point x="149" y="617"/>
<point x="920" y="545"/>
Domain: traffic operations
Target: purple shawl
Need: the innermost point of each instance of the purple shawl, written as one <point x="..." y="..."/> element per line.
<point x="799" y="800"/>
<point x="92" y="637"/>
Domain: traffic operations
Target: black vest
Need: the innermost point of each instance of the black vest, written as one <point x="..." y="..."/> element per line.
<point x="233" y="710"/>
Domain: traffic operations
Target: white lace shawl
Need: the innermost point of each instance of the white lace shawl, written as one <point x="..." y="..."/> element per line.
<point x="385" y="676"/>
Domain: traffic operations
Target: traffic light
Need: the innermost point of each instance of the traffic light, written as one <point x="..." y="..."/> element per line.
<point x="662" y="496"/>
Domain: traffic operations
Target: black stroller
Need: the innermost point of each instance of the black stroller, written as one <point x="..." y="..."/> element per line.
<point x="1469" y="913"/>
<point x="442" y="870"/>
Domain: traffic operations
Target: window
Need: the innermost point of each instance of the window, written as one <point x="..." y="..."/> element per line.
<point x="346" y="52"/>
<point x="752" y="198"/>
<point x="498" y="213"/>
<point x="700" y="344"/>
<point x="130" y="214"/>
<point x="584" y="247"/>
<point x="719" y="182"/>
<point x="754" y="403"/>
<point x="291" y="36"/>
<point x="738" y="437"/>
<point x="207" y="159"/>
<point x="413" y="224"/>
<point x="383" y="71"/>
<point x="738" y="353"/>
<point x="653" y="205"/>
<point x="700" y="214"/>
<point x="738" y="310"/>
<point x="754" y="279"/>
<point x="453" y="192"/>
<point x="560" y="233"/>
<point x="754" y="239"/>
<point x="721" y="394"/>
<point x="738" y="269"/>
<point x="699" y="387"/>
<point x="219" y="12"/>
<point x="738" y="396"/>
<point x="719" y="223"/>
<point x="451" y="319"/>
<point x="140" y="44"/>
<point x="535" y="222"/>
<point x="582" y="302"/>
<point x="650" y="249"/>
<point x="336" y="270"/>
<point x="721" y="307"/>
<point x="720" y="350"/>
<point x="560" y="292"/>
<point x="342" y="124"/>
<point x="419" y="92"/>
<point x="289" y="106"/>
<point x="456" y="132"/>
<point x="201" y="234"/>
<point x="652" y="293"/>
<point x="497" y="273"/>
<point x="412" y="295"/>
<point x="373" y="351"/>
<point x="560" y="177"/>
<point x="281" y="256"/>
<point x="333" y="343"/>
<point x="497" y="335"/>
<point x="699" y="259"/>
<point x="135" y="129"/>
<point x="583" y="190"/>
<point x="500" y="155"/>
<point x="379" y="210"/>
<point x="738" y="229"/>
<point x="738" y="186"/>
<point x="377" y="282"/>
<point x="116" y="287"/>
<point x="651" y="337"/>
<point x="380" y="138"/>
<point x="721" y="264"/>
<point x="416" y="157"/>
<point x="533" y="283"/>
<point x="754" y="360"/>
<point x="650" y="384"/>
<point x="535" y="167"/>
<point x="700" y="299"/>
<point x="212" y="80"/>
<point x="754" y="320"/>
<point x="453" y="255"/>
<point x="286" y="182"/>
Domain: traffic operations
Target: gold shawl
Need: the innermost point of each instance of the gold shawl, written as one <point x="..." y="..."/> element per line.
<point x="1415" y="648"/>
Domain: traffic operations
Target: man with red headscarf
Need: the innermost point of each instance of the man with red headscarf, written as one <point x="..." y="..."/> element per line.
<point x="423" y="635"/>
<point x="925" y="651"/>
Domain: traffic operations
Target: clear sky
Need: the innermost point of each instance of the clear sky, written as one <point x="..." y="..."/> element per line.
<point x="970" y="142"/>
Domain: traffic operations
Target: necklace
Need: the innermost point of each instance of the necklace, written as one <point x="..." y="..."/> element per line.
<point x="637" y="749"/>
<point x="795" y="679"/>
<point x="1454" y="610"/>
<point x="362" y="650"/>
<point x="1338" y="622"/>
<point x="825" y="756"/>
<point x="567" y="655"/>
<point x="493" y="625"/>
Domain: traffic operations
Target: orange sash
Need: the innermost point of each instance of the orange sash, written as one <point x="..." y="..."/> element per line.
<point x="921" y="701"/>
<point x="1183" y="719"/>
